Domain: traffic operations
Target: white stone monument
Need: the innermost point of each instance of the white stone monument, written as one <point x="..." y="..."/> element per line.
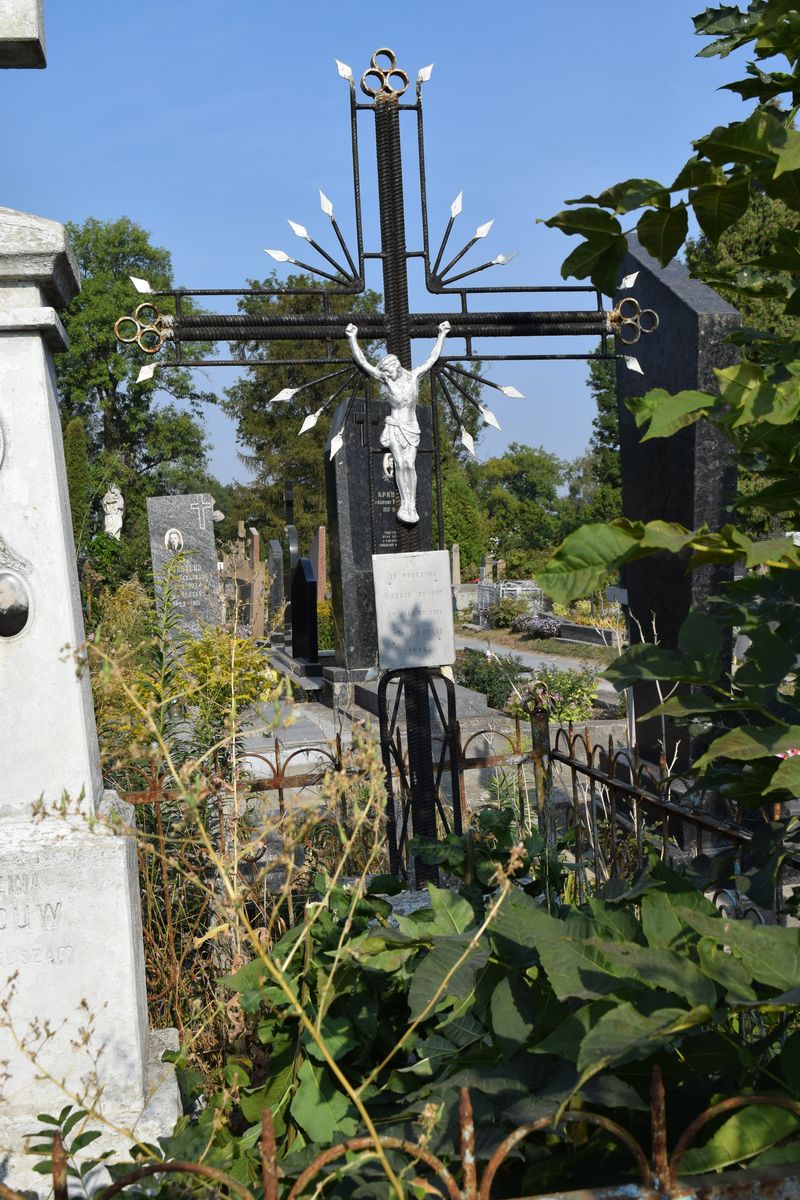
<point x="414" y="609"/>
<point x="71" y="951"/>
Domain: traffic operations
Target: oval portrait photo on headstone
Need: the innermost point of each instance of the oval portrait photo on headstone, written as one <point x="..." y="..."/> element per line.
<point x="15" y="603"/>
<point x="173" y="540"/>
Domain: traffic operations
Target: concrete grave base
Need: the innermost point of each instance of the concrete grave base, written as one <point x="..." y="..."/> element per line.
<point x="73" y="1008"/>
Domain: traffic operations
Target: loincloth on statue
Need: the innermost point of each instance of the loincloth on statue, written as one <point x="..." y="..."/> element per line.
<point x="405" y="436"/>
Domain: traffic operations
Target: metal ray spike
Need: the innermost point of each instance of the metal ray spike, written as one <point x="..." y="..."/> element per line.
<point x="500" y="260"/>
<point x="345" y="72"/>
<point x="299" y="230"/>
<point x="284" y="394"/>
<point x="489" y="418"/>
<point x="468" y="440"/>
<point x="455" y="207"/>
<point x="633" y="364"/>
<point x="141" y="285"/>
<point x="279" y="255"/>
<point x="482" y="230"/>
<point x="424" y="73"/>
<point x="512" y="392"/>
<point x="146" y="372"/>
<point x="310" y="421"/>
<point x="325" y="204"/>
<point x="336" y="444"/>
<point x="628" y="281"/>
<point x="372" y="674"/>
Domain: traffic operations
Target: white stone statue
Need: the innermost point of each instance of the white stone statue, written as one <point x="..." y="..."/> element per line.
<point x="113" y="507"/>
<point x="401" y="428"/>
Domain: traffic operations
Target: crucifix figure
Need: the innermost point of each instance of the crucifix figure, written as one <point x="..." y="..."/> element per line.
<point x="401" y="429"/>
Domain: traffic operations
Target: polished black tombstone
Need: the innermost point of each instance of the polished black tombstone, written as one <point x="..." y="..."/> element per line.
<point x="689" y="478"/>
<point x="362" y="503"/>
<point x="303" y="594"/>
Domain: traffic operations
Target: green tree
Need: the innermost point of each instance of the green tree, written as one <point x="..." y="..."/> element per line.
<point x="76" y="457"/>
<point x="519" y="492"/>
<point x="269" y="433"/>
<point x="146" y="437"/>
<point x="465" y="521"/>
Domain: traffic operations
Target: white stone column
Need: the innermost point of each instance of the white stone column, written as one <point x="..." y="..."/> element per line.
<point x="71" y="952"/>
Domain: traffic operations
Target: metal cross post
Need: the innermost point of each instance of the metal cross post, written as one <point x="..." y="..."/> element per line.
<point x="384" y="84"/>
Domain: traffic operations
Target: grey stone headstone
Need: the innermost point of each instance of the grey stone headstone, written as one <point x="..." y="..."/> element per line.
<point x="184" y="525"/>
<point x="359" y="526"/>
<point x="455" y="564"/>
<point x="414" y="610"/>
<point x="690" y="477"/>
<point x="276" y="596"/>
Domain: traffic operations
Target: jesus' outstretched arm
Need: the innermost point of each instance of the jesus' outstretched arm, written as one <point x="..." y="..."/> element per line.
<point x="351" y="333"/>
<point x="423" y="369"/>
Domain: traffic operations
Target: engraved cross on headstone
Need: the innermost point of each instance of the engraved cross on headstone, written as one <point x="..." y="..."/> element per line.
<point x="201" y="506"/>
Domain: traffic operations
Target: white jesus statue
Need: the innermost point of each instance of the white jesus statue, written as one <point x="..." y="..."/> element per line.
<point x="401" y="429"/>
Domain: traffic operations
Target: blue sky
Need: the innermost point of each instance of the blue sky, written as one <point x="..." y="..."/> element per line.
<point x="210" y="124"/>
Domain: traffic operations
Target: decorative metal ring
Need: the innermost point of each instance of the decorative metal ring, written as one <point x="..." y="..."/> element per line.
<point x="147" y="328"/>
<point x="629" y="320"/>
<point x="383" y="75"/>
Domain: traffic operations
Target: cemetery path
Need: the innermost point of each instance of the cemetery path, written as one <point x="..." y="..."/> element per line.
<point x="532" y="662"/>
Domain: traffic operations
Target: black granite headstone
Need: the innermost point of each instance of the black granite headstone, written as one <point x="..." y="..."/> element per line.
<point x="304" y="612"/>
<point x="690" y="477"/>
<point x="362" y="521"/>
<point x="183" y="526"/>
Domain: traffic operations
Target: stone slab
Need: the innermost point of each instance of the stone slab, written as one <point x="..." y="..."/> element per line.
<point x="414" y="609"/>
<point x="183" y="525"/>
<point x="22" y="34"/>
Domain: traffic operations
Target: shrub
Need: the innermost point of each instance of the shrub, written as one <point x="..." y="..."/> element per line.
<point x="572" y="693"/>
<point x="225" y="673"/>
<point x="325" y="624"/>
<point x="535" y="626"/>
<point x="503" y="611"/>
<point x="497" y="678"/>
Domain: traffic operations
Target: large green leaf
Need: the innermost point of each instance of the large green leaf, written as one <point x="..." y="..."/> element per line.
<point x="663" y="230"/>
<point x="434" y="967"/>
<point x="771" y="953"/>
<point x="661" y="968"/>
<point x="320" y="1109"/>
<point x="666" y="412"/>
<point x="754" y="140"/>
<point x="749" y="742"/>
<point x="789" y="153"/>
<point x="512" y="1012"/>
<point x="786" y="778"/>
<point x="646" y="661"/>
<point x="624" y="1033"/>
<point x="726" y="970"/>
<point x="701" y="640"/>
<point x="598" y="259"/>
<point x="717" y="206"/>
<point x="583" y="559"/>
<point x="586" y="221"/>
<point x="629" y="195"/>
<point x="747" y="1132"/>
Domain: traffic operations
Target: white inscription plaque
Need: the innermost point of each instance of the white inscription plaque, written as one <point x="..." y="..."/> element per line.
<point x="414" y="609"/>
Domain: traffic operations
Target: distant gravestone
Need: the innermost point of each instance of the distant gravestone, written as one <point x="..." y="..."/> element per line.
<point x="359" y="528"/>
<point x="455" y="564"/>
<point x="319" y="560"/>
<point x="183" y="526"/>
<point x="276" y="592"/>
<point x="414" y="610"/>
<point x="689" y="478"/>
<point x="304" y="612"/>
<point x="487" y="568"/>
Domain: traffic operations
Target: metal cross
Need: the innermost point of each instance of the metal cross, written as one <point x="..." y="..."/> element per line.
<point x="385" y="84"/>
